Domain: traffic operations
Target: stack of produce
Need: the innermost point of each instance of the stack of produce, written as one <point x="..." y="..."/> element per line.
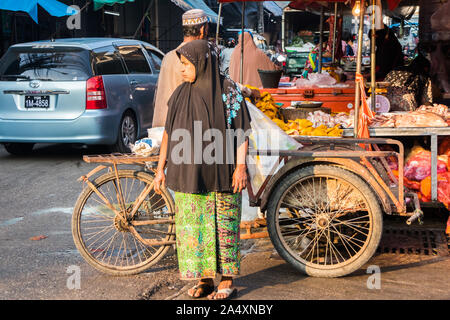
<point x="304" y="127"/>
<point x="317" y="124"/>
<point x="267" y="105"/>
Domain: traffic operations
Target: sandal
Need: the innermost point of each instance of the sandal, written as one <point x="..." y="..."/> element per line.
<point x="229" y="292"/>
<point x="205" y="288"/>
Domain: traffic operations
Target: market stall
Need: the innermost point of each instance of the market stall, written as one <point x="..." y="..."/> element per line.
<point x="336" y="104"/>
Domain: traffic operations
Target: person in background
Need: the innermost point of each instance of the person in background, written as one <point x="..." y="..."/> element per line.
<point x="349" y="47"/>
<point x="195" y="26"/>
<point x="225" y="55"/>
<point x="312" y="63"/>
<point x="254" y="59"/>
<point x="389" y="53"/>
<point x="410" y="86"/>
<point x="354" y="45"/>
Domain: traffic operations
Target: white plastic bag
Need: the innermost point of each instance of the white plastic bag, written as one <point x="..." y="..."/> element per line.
<point x="156" y="135"/>
<point x="144" y="147"/>
<point x="266" y="135"/>
<point x="148" y="146"/>
<point x="321" y="79"/>
<point x="316" y="80"/>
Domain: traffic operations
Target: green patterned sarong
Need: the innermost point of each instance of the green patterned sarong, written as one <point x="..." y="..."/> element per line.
<point x="208" y="234"/>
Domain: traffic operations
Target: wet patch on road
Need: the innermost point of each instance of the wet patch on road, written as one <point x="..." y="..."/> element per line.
<point x="10" y="222"/>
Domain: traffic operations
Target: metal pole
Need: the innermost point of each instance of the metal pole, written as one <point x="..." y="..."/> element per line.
<point x="218" y="24"/>
<point x="157" y="24"/>
<point x="241" y="71"/>
<point x="283" y="29"/>
<point x="334" y="32"/>
<point x="321" y="40"/>
<point x="358" y="67"/>
<point x="373" y="61"/>
<point x="260" y="18"/>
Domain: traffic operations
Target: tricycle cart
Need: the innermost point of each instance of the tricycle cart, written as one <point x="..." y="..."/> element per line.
<point x="323" y="207"/>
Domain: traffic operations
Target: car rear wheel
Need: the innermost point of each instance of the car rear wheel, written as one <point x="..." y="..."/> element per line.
<point x="19" y="149"/>
<point x="127" y="134"/>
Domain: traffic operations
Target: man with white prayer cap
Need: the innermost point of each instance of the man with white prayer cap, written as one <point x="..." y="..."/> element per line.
<point x="195" y="26"/>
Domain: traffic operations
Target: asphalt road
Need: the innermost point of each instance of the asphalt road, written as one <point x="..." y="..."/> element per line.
<point x="37" y="195"/>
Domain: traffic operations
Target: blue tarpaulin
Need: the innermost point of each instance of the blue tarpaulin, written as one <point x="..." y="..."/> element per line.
<point x="53" y="7"/>
<point x="273" y="8"/>
<point x="197" y="4"/>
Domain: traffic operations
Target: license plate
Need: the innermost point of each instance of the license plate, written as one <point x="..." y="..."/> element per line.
<point x="42" y="102"/>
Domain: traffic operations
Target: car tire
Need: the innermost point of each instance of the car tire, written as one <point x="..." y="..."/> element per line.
<point x="127" y="133"/>
<point x="19" y="149"/>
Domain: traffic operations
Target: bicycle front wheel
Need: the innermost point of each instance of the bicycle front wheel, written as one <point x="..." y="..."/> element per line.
<point x="118" y="247"/>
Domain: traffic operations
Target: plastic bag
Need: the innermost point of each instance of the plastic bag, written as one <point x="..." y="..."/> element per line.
<point x="316" y="79"/>
<point x="321" y="79"/>
<point x="418" y="167"/>
<point x="444" y="189"/>
<point x="156" y="134"/>
<point x="144" y="147"/>
<point x="266" y="135"/>
<point x="148" y="146"/>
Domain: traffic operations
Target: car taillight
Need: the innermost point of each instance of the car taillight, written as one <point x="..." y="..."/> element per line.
<point x="95" y="93"/>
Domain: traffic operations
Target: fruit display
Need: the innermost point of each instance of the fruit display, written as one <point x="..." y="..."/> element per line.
<point x="298" y="127"/>
<point x="267" y="105"/>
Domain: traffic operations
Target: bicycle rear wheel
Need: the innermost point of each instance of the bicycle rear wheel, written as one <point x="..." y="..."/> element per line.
<point x="324" y="220"/>
<point x="112" y="245"/>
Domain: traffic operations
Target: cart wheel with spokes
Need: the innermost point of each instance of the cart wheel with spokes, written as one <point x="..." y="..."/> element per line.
<point x="120" y="246"/>
<point x="324" y="220"/>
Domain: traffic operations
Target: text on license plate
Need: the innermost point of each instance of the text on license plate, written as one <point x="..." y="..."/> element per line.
<point x="37" y="102"/>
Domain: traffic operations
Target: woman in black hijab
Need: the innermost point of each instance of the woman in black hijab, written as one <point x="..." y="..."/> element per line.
<point x="205" y="145"/>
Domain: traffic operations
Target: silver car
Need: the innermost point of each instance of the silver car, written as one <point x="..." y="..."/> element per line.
<point x="88" y="90"/>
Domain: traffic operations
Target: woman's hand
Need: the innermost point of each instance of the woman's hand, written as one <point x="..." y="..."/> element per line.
<point x="239" y="178"/>
<point x="160" y="179"/>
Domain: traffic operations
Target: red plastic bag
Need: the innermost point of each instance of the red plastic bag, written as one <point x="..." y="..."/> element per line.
<point x="444" y="189"/>
<point x="418" y="166"/>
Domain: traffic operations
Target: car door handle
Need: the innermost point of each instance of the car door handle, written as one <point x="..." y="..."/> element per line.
<point x="134" y="82"/>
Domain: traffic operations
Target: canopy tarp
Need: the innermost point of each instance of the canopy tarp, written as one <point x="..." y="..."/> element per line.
<point x="273" y="8"/>
<point x="300" y="4"/>
<point x="53" y="7"/>
<point x="197" y="4"/>
<point x="100" y="3"/>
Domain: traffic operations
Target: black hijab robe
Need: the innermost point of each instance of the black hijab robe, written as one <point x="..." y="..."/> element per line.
<point x="196" y="108"/>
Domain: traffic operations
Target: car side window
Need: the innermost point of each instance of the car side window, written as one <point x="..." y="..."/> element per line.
<point x="134" y="59"/>
<point x="156" y="59"/>
<point x="107" y="61"/>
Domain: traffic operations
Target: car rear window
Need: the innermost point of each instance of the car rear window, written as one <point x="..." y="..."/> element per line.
<point x="156" y="59"/>
<point x="134" y="59"/>
<point x="107" y="61"/>
<point x="61" y="64"/>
